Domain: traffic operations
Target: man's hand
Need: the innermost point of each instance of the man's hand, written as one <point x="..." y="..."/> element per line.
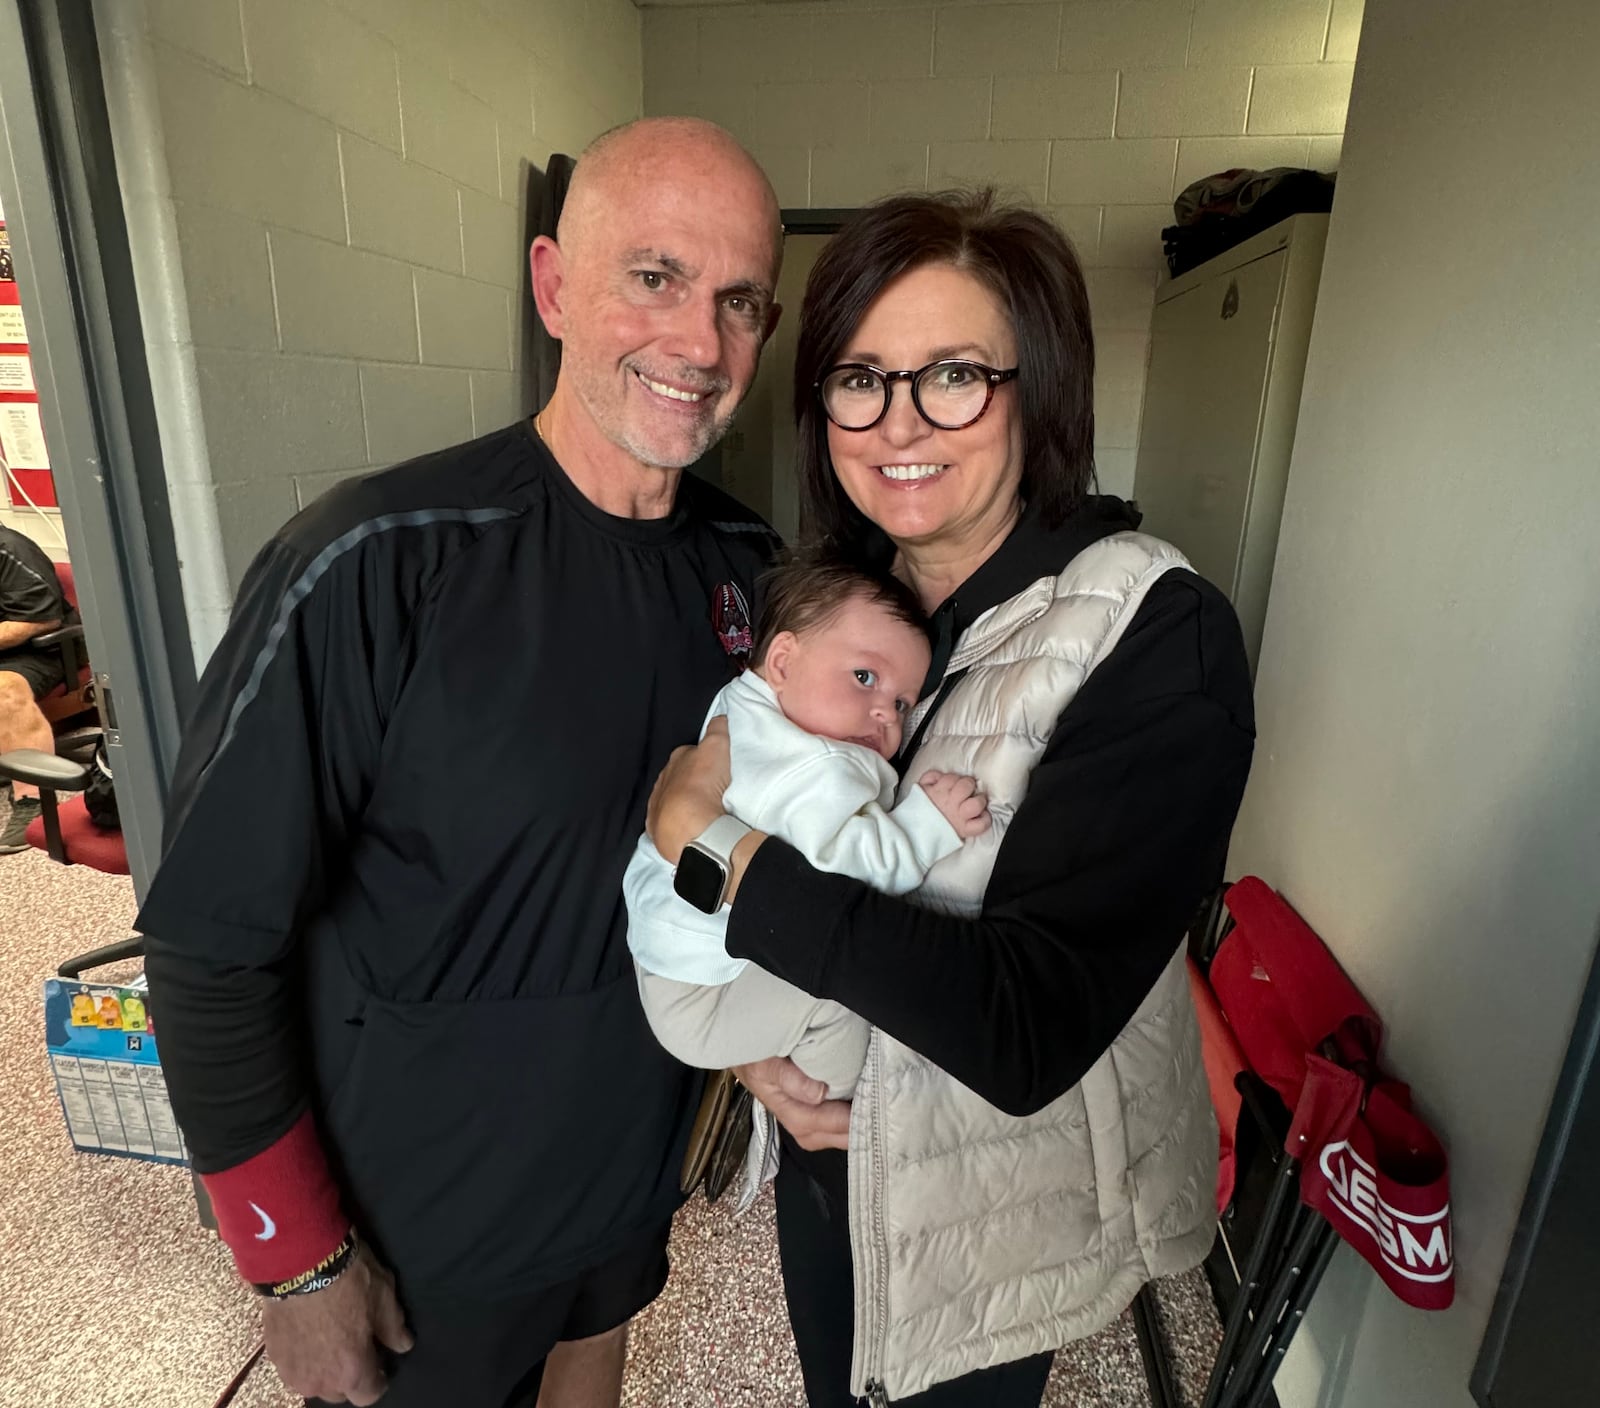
<point x="958" y="799"/>
<point x="687" y="796"/>
<point x="799" y="1103"/>
<point x="325" y="1345"/>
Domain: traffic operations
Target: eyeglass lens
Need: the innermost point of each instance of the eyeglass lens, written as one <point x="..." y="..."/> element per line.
<point x="950" y="395"/>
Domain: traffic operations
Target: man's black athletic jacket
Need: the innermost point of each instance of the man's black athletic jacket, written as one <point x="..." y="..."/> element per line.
<point x="391" y="886"/>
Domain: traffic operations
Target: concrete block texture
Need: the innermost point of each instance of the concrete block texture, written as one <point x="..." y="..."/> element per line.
<point x="248" y="514"/>
<point x="463" y="323"/>
<point x="1055" y="105"/>
<point x="497" y="73"/>
<point x="1183" y="102"/>
<point x="670" y="44"/>
<point x="789" y="170"/>
<point x="1325" y="153"/>
<point x="1081" y="225"/>
<point x="1122" y="172"/>
<point x="227" y="278"/>
<point x="1121" y="300"/>
<point x="1300" y="98"/>
<point x="769" y="46"/>
<point x="820" y="114"/>
<point x="730" y="104"/>
<point x="1123" y="34"/>
<point x="1258" y="31"/>
<point x="492" y="240"/>
<point x="399" y="208"/>
<point x="245" y="150"/>
<point x="342" y="302"/>
<point x="848" y="176"/>
<point x="349" y="180"/>
<point x="327" y="62"/>
<point x="202" y="27"/>
<point x="1099" y="111"/>
<point x="498" y="398"/>
<point x="417" y="25"/>
<point x="871" y="44"/>
<point x="446" y="128"/>
<point x="931" y="109"/>
<point x="270" y="416"/>
<point x="411" y="410"/>
<point x="1130" y="236"/>
<point x="996" y="38"/>
<point x="1344" y="29"/>
<point x="1016" y="168"/>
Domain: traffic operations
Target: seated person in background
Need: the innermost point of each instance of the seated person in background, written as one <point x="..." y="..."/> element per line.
<point x="841" y="655"/>
<point x="31" y="603"/>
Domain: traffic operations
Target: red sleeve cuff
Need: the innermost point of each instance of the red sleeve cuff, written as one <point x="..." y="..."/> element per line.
<point x="279" y="1211"/>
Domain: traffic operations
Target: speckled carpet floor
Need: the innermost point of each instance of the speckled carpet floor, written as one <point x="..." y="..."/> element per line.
<point x="110" y="1294"/>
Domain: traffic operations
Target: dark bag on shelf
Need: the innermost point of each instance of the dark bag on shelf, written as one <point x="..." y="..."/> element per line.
<point x="1219" y="211"/>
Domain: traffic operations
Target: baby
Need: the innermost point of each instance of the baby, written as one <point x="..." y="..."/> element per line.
<point x="840" y="657"/>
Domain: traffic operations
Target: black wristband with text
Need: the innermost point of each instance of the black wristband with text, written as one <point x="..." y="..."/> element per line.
<point x="323" y="1274"/>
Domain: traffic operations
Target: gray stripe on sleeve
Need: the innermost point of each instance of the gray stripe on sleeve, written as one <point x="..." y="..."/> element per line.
<point x="313" y="573"/>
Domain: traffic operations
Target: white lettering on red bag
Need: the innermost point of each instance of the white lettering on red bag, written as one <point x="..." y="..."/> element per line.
<point x="1414" y="1245"/>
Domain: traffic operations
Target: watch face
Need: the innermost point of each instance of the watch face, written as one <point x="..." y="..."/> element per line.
<point x="699" y="879"/>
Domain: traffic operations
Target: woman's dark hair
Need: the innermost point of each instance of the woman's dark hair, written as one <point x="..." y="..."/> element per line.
<point x="1029" y="266"/>
<point x="809" y="586"/>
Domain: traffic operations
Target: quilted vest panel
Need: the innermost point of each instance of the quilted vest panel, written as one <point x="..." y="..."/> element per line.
<point x="979" y="1237"/>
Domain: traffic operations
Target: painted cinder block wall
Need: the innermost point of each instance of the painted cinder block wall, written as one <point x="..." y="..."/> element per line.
<point x="1099" y="110"/>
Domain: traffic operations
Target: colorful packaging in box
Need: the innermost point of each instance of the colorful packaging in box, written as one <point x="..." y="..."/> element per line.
<point x="102" y="1048"/>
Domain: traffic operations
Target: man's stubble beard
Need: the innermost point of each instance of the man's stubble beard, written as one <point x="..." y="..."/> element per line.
<point x="709" y="435"/>
<point x="615" y="429"/>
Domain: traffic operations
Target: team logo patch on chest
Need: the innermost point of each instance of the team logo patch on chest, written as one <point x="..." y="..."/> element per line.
<point x="730" y="618"/>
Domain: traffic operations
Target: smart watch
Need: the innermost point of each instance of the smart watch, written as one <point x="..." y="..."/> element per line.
<point x="706" y="863"/>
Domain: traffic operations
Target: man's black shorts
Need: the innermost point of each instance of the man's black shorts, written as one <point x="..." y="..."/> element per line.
<point x="491" y="1354"/>
<point x="41" y="668"/>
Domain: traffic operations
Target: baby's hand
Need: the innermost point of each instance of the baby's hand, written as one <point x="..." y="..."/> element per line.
<point x="958" y="798"/>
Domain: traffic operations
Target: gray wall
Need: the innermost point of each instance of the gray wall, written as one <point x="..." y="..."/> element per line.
<point x="328" y="200"/>
<point x="1427" y="786"/>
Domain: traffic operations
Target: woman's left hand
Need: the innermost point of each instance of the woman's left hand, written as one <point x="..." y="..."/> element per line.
<point x="687" y="796"/>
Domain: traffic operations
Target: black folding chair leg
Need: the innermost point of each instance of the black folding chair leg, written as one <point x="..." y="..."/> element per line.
<point x="1281" y="1205"/>
<point x="1278" y="1346"/>
<point x="1248" y="1373"/>
<point x="1147" y="1329"/>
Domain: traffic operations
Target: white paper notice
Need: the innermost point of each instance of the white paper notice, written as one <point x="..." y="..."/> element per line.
<point x="16" y="372"/>
<point x="12" y="327"/>
<point x="22" y="437"/>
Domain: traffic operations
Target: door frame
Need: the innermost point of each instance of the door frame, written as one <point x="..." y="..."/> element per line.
<point x="69" y="245"/>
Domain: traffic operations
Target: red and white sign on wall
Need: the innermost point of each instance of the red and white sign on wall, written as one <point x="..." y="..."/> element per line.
<point x="22" y="444"/>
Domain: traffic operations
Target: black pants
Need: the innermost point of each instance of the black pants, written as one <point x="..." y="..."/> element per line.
<point x="814" y="1241"/>
<point x="41" y="668"/>
<point x="491" y="1354"/>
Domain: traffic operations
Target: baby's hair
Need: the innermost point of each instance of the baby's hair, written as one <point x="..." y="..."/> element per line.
<point x="809" y="586"/>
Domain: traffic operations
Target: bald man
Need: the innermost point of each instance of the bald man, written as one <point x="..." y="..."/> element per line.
<point x="386" y="942"/>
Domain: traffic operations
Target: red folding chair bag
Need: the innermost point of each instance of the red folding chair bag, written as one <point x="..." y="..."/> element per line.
<point x="1369" y="1163"/>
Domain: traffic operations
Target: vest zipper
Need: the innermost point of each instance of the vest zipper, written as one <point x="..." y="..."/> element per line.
<point x="878" y="1333"/>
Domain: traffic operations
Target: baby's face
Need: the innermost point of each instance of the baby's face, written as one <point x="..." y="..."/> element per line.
<point x="853" y="678"/>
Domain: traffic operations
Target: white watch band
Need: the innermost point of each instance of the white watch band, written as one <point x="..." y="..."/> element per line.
<point x="719" y="839"/>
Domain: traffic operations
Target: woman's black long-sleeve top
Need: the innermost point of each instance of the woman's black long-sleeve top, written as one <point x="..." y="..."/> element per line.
<point x="1123" y="830"/>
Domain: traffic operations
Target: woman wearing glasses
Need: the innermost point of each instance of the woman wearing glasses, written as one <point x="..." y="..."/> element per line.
<point x="1032" y="1138"/>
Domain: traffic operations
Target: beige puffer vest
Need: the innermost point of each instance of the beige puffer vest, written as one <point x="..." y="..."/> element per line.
<point x="980" y="1238"/>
